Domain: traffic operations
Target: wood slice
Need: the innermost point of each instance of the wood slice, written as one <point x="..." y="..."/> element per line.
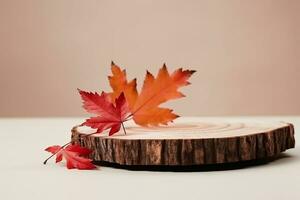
<point x="188" y="141"/>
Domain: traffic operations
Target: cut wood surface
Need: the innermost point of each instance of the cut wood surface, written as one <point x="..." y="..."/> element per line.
<point x="189" y="141"/>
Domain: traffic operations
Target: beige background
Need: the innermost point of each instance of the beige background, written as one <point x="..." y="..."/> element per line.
<point x="247" y="53"/>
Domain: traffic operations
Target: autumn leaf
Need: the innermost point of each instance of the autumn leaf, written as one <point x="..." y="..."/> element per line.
<point x="118" y="82"/>
<point x="122" y="104"/>
<point x="155" y="91"/>
<point x="109" y="116"/>
<point x="73" y="156"/>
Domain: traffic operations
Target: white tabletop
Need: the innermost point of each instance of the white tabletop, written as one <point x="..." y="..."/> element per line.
<point x="23" y="176"/>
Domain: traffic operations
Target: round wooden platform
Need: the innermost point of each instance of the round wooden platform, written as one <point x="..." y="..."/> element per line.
<point x="189" y="141"/>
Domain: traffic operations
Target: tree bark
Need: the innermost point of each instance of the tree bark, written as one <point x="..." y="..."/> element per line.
<point x="223" y="146"/>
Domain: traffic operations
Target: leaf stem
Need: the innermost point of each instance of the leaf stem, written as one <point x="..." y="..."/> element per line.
<point x="45" y="162"/>
<point x="123" y="127"/>
<point x="128" y="118"/>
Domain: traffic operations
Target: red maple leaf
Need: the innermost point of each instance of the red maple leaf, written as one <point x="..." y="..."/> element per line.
<point x="73" y="155"/>
<point x="110" y="116"/>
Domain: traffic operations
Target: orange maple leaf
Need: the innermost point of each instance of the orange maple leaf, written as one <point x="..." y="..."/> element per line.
<point x="119" y="84"/>
<point x="155" y="91"/>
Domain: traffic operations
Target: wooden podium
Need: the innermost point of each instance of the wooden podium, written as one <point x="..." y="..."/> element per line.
<point x="188" y="142"/>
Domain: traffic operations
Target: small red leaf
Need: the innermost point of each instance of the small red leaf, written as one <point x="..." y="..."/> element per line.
<point x="72" y="154"/>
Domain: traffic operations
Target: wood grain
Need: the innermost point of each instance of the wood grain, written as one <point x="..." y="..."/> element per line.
<point x="190" y="142"/>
